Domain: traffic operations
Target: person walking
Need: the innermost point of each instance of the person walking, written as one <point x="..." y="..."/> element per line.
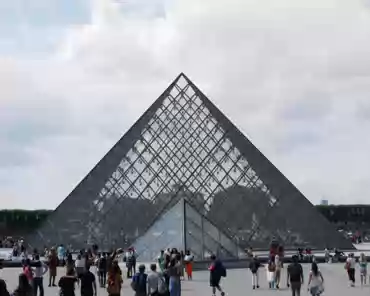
<point x="217" y="271"/>
<point x="315" y="281"/>
<point x="40" y="270"/>
<point x="363" y="269"/>
<point x="350" y="266"/>
<point x="295" y="276"/>
<point x="254" y="265"/>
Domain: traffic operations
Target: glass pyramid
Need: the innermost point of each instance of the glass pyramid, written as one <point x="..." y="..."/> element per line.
<point x="184" y="147"/>
<point x="184" y="228"/>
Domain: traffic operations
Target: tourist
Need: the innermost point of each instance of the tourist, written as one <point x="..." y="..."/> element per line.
<point x="70" y="265"/>
<point x="3" y="288"/>
<point x="189" y="258"/>
<point x="363" y="268"/>
<point x="40" y="270"/>
<point x="315" y="281"/>
<point x="161" y="259"/>
<point x="24" y="288"/>
<point x="217" y="271"/>
<point x="278" y="268"/>
<point x="61" y="255"/>
<point x="53" y="264"/>
<point x="174" y="273"/>
<point x="254" y="265"/>
<point x="80" y="264"/>
<point x="139" y="282"/>
<point x="28" y="271"/>
<point x="295" y="276"/>
<point x="350" y="266"/>
<point x="131" y="262"/>
<point x="102" y="269"/>
<point x="67" y="284"/>
<point x="88" y="283"/>
<point x="270" y="269"/>
<point x="153" y="281"/>
<point x="114" y="280"/>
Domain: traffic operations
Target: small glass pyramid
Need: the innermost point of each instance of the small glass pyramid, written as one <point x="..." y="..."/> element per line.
<point x="184" y="228"/>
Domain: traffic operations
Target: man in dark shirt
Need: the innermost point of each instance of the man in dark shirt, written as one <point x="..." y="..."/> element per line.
<point x="88" y="283"/>
<point x="295" y="276"/>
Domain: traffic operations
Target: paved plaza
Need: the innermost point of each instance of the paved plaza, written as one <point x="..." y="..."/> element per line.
<point x="237" y="283"/>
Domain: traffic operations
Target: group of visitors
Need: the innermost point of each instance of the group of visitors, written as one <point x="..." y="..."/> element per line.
<point x="164" y="277"/>
<point x="295" y="278"/>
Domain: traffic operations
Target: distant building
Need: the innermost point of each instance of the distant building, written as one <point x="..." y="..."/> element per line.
<point x="324" y="202"/>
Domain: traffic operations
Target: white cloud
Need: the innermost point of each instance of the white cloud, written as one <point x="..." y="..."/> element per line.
<point x="293" y="75"/>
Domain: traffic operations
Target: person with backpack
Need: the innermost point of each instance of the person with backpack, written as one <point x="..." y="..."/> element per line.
<point x="216" y="271"/>
<point x="156" y="282"/>
<point x="295" y="276"/>
<point x="139" y="282"/>
<point x="254" y="265"/>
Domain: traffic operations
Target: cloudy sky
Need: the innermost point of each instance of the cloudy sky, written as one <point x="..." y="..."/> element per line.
<point x="75" y="74"/>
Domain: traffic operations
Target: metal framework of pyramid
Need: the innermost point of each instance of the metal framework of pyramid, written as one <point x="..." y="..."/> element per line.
<point x="184" y="147"/>
<point x="184" y="228"/>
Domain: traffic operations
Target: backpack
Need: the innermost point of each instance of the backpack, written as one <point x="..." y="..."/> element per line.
<point x="162" y="287"/>
<point x="138" y="283"/>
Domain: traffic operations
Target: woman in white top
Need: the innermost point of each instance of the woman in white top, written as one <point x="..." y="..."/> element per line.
<point x="315" y="281"/>
<point x="351" y="268"/>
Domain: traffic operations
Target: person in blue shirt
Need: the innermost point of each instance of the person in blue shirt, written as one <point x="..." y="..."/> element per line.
<point x="61" y="254"/>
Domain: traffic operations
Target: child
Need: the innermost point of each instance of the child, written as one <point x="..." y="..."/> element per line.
<point x="271" y="268"/>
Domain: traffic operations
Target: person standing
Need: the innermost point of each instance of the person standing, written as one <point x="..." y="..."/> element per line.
<point x="295" y="276"/>
<point x="189" y="258"/>
<point x="278" y="268"/>
<point x="38" y="281"/>
<point x="153" y="281"/>
<point x="139" y="282"/>
<point x="161" y="261"/>
<point x="102" y="270"/>
<point x="88" y="283"/>
<point x="254" y="265"/>
<point x="53" y="264"/>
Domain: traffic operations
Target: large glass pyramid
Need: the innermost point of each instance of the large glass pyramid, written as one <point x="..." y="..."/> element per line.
<point x="184" y="147"/>
<point x="184" y="228"/>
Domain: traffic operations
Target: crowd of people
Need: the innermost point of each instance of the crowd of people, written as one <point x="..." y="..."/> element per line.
<point x="164" y="276"/>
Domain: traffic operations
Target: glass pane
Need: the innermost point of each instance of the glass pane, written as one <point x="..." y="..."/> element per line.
<point x="166" y="232"/>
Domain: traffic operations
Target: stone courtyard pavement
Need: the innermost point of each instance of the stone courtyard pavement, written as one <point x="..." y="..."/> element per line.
<point x="238" y="282"/>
